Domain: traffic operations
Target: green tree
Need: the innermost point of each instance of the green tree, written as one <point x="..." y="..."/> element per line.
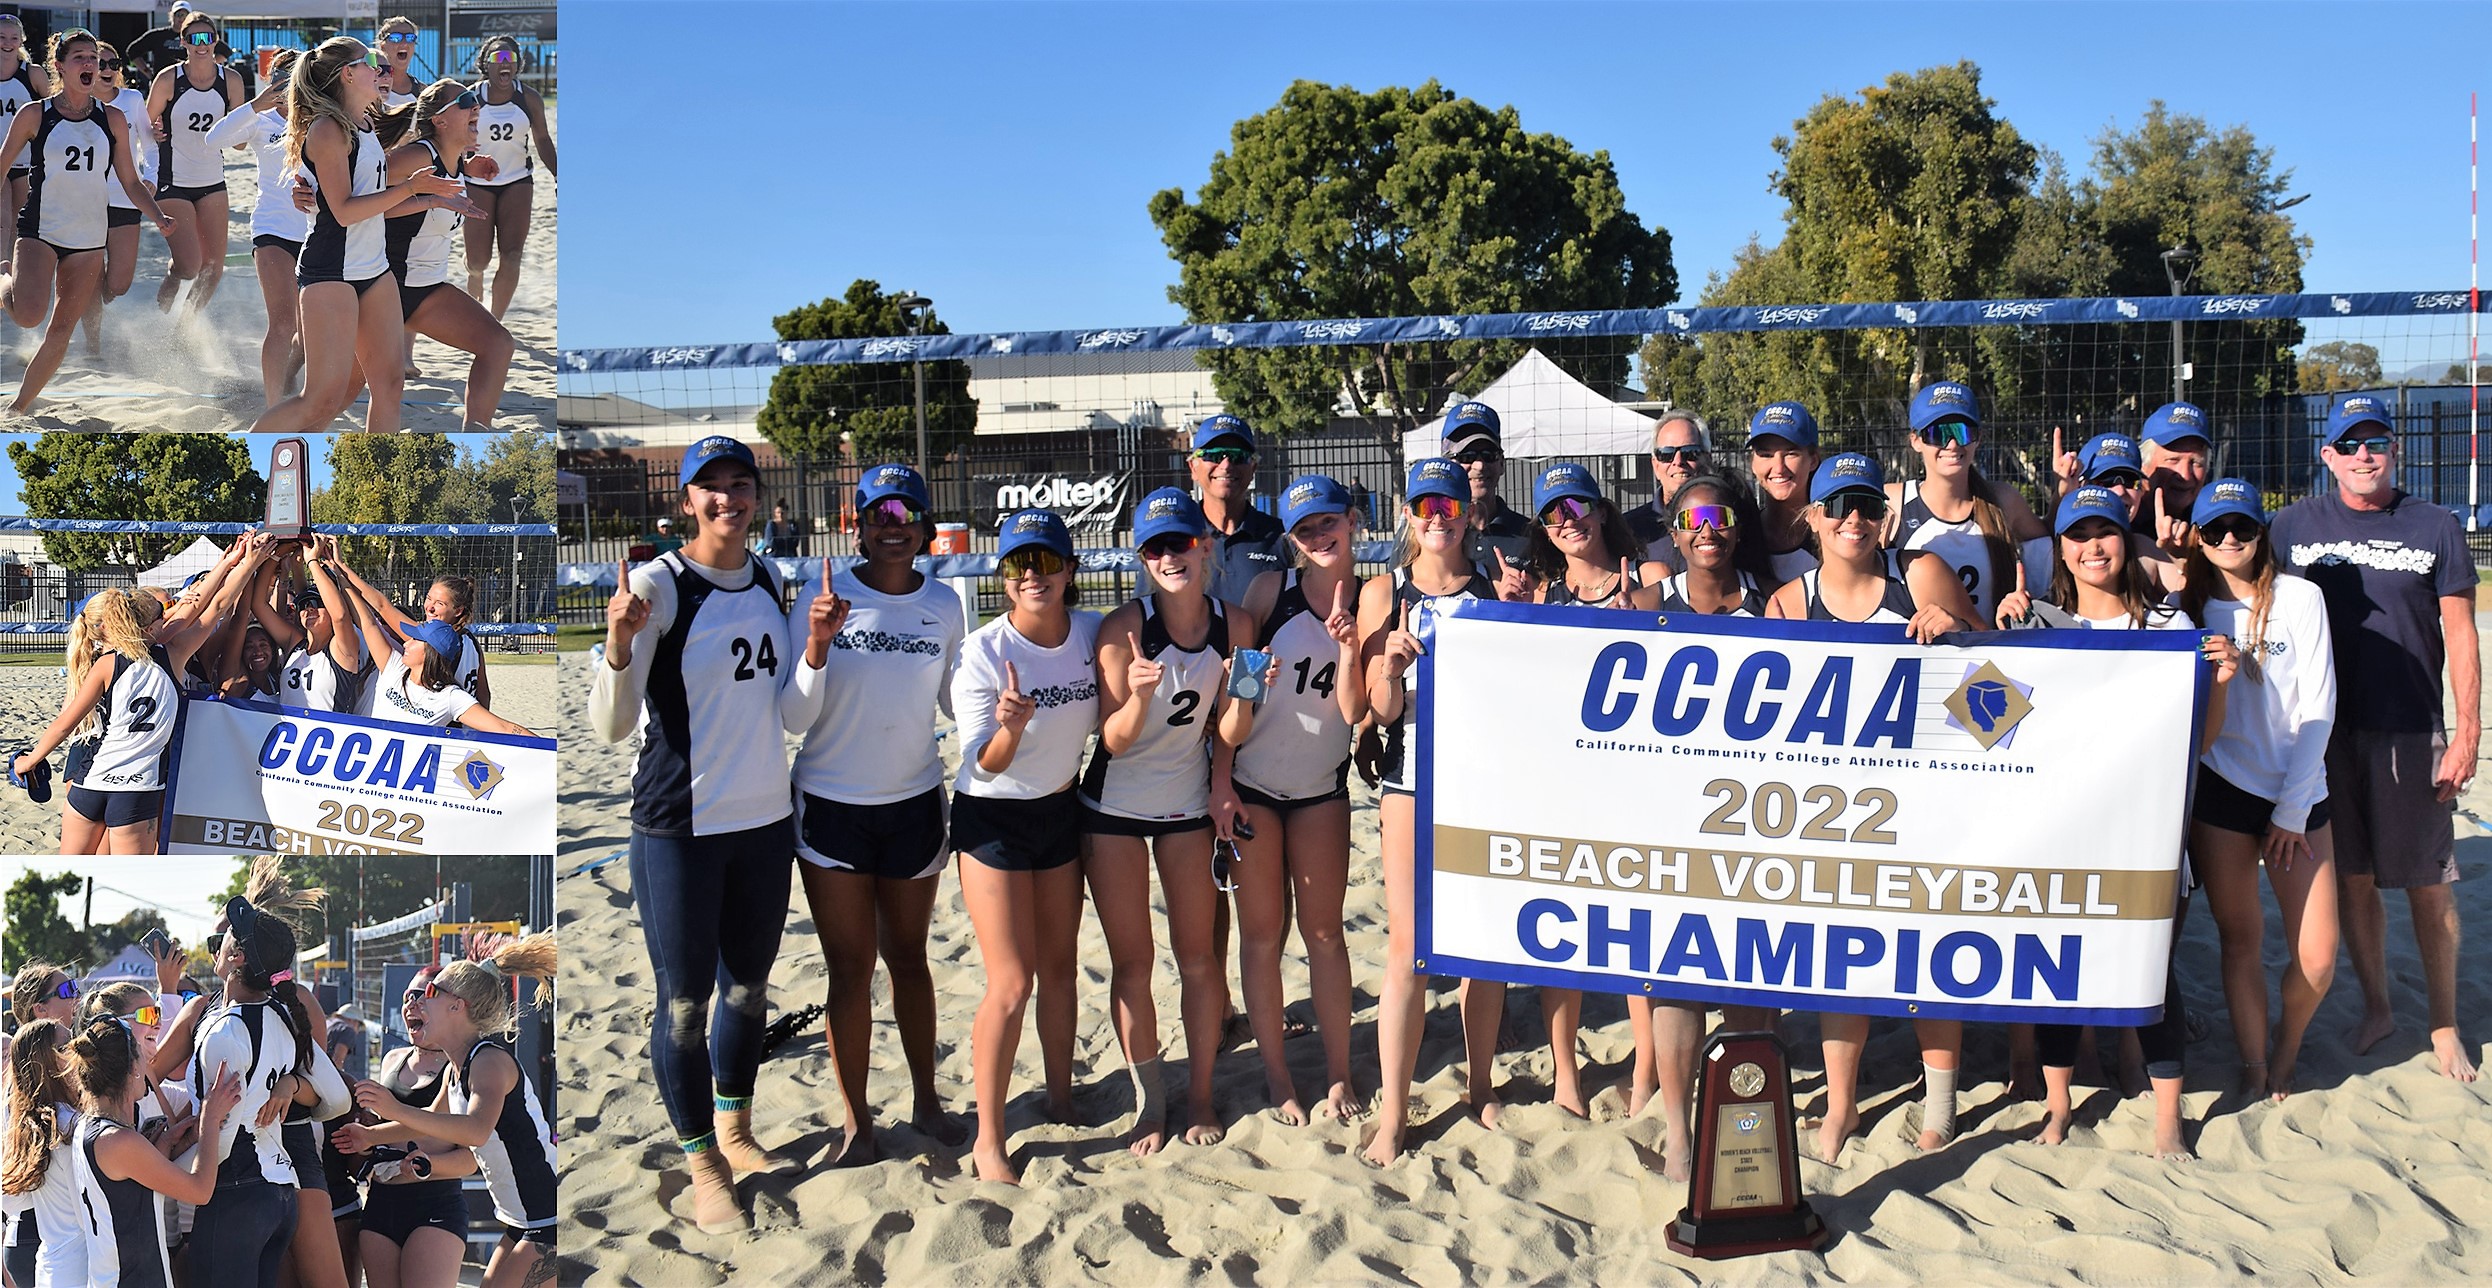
<point x="364" y="891"/>
<point x="197" y="477"/>
<point x="112" y="937"/>
<point x="1339" y="204"/>
<point x="2342" y="364"/>
<point x="874" y="405"/>
<point x="390" y="478"/>
<point x="36" y="928"/>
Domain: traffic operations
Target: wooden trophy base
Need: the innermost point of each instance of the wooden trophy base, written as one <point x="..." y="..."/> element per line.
<point x="1719" y="1238"/>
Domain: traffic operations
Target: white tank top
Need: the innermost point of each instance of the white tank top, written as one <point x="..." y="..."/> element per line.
<point x="133" y="108"/>
<point x="66" y="195"/>
<point x="502" y="133"/>
<point x="138" y="712"/>
<point x="356" y="252"/>
<point x="273" y="213"/>
<point x="184" y="159"/>
<point x="1299" y="742"/>
<point x="15" y="92"/>
<point x="711" y="759"/>
<point x="1166" y="773"/>
<point x="315" y="682"/>
<point x="420" y="244"/>
<point x="1960" y="545"/>
<point x="59" y="1217"/>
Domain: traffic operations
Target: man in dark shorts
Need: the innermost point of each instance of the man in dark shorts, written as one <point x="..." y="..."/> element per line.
<point x="1682" y="449"/>
<point x="1474" y="438"/>
<point x="2400" y="589"/>
<point x="1246" y="542"/>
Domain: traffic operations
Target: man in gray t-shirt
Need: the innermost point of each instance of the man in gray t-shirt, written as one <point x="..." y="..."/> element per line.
<point x="2400" y="588"/>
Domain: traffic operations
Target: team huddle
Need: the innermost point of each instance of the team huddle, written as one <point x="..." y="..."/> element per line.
<point x="222" y="1138"/>
<point x="365" y="177"/>
<point x="1208" y="727"/>
<point x="274" y="620"/>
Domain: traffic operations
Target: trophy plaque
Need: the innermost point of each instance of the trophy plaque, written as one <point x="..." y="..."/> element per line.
<point x="1744" y="1195"/>
<point x="289" y="490"/>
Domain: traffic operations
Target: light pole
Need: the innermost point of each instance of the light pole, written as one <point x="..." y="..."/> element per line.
<point x="913" y="312"/>
<point x="2176" y="263"/>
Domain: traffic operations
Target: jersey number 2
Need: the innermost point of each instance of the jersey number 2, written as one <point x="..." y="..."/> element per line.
<point x="144" y="709"/>
<point x="1185" y="702"/>
<point x="747" y="657"/>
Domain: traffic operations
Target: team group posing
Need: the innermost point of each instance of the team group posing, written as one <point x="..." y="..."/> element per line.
<point x="274" y="621"/>
<point x="365" y="177"/>
<point x="211" y="1139"/>
<point x="2325" y="762"/>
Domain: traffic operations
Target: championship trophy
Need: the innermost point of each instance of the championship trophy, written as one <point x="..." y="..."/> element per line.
<point x="289" y="491"/>
<point x="1744" y="1196"/>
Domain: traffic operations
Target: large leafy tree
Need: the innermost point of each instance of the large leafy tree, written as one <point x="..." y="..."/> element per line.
<point x="874" y="405"/>
<point x="1340" y="204"/>
<point x="2343" y="364"/>
<point x="36" y="928"/>
<point x="200" y="477"/>
<point x="392" y="478"/>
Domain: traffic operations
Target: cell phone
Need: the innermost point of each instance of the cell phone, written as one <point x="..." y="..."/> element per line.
<point x="1246" y="674"/>
<point x="156" y="942"/>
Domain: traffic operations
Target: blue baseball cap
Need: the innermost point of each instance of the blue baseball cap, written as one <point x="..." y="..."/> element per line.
<point x="1788" y="421"/>
<point x="1033" y="528"/>
<point x="716" y="447"/>
<point x="2174" y="421"/>
<point x="1165" y="511"/>
<point x="885" y="481"/>
<point x="2357" y="411"/>
<point x="1214" y="428"/>
<point x="1846" y="472"/>
<point x="1945" y="400"/>
<point x="441" y="637"/>
<point x="1472" y="422"/>
<point x="1563" y="479"/>
<point x="2106" y="453"/>
<point x="1437" y="476"/>
<point x="1313" y="494"/>
<point x="2091" y="502"/>
<point x="2228" y="496"/>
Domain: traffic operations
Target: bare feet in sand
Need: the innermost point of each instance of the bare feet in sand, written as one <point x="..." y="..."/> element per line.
<point x="993" y="1164"/>
<point x="2024" y="1080"/>
<point x="1341" y="1104"/>
<point x="2169" y="1147"/>
<point x="2454" y="1062"/>
<point x="856" y="1149"/>
<point x="1147" y="1137"/>
<point x="1208" y="1131"/>
<point x="1833" y="1132"/>
<point x="2374" y="1029"/>
<point x="2055" y="1124"/>
<point x="1570" y="1099"/>
<point x="1384" y="1143"/>
<point x="1489" y="1112"/>
<point x="1931" y="1140"/>
<point x="1638" y="1096"/>
<point x="2255" y="1081"/>
<point x="1285" y="1108"/>
<point x="1677" y="1158"/>
<point x="932" y="1120"/>
<point x="1060" y="1107"/>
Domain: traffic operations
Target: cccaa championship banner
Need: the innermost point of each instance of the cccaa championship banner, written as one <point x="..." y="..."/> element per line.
<point x="259" y="778"/>
<point x="1812" y="815"/>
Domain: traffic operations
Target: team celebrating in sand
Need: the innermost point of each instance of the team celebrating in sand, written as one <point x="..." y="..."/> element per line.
<point x="366" y="178"/>
<point x="1206" y="730"/>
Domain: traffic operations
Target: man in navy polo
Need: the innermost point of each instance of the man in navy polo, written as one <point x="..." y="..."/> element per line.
<point x="1475" y="441"/>
<point x="2400" y="589"/>
<point x="1245" y="540"/>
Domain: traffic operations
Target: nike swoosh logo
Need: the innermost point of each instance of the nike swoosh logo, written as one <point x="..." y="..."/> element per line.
<point x="928" y="621"/>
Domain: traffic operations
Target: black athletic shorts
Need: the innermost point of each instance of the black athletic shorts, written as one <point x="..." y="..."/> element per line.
<point x="1019" y="835"/>
<point x="344" y="1198"/>
<point x="395" y="1212"/>
<point x="1099" y="822"/>
<point x="411" y="298"/>
<point x="543" y="1235"/>
<point x="360" y="287"/>
<point x="302" y="1142"/>
<point x="116" y="809"/>
<point x="1282" y="805"/>
<point x="170" y="193"/>
<point x="292" y="248"/>
<point x="2220" y="803"/>
<point x="897" y="841"/>
<point x="117" y="217"/>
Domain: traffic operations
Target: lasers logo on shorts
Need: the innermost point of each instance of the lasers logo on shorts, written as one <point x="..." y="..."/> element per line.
<point x="2380" y="556"/>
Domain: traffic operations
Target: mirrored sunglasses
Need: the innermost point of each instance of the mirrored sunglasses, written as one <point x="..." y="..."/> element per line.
<point x="149" y="1016"/>
<point x="503" y="56"/>
<point x="1030" y="562"/>
<point x="1720" y="518"/>
<point x="1843" y="505"/>
<point x="1173" y="544"/>
<point x="200" y="39"/>
<point x="1478" y="456"/>
<point x="1948" y="433"/>
<point x="1224" y="455"/>
<point x="1437" y="507"/>
<point x="1565" y="509"/>
<point x="398" y="37"/>
<point x="2239" y="529"/>
<point x="2377" y="444"/>
<point x="1691" y="454"/>
<point x="892" y="512"/>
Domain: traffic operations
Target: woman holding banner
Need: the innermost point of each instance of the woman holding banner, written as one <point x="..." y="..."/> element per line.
<point x="1156" y="792"/>
<point x="1026" y="694"/>
<point x="1292" y="775"/>
<point x="2096" y="581"/>
<point x="1430" y="564"/>
<point x="881" y="640"/>
<point x="2262" y="786"/>
<point x="418" y="682"/>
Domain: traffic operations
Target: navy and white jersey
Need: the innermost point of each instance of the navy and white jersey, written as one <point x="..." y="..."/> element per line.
<point x="711" y="759"/>
<point x="316" y="682"/>
<point x="471" y="668"/>
<point x="1299" y="742"/>
<point x="502" y="133"/>
<point x="66" y="195"/>
<point x="395" y="695"/>
<point x="1787" y="565"/>
<point x="133" y="108"/>
<point x="1987" y="570"/>
<point x="1166" y="773"/>
<point x="868" y="716"/>
<point x="125" y="1223"/>
<point x="138" y="712"/>
<point x="185" y="159"/>
<point x="341" y="252"/>
<point x="256" y="1042"/>
<point x="17" y="89"/>
<point x="1062" y="684"/>
<point x="1402" y="762"/>
<point x="1751" y="598"/>
<point x="517" y="1162"/>
<point x="419" y="244"/>
<point x="60" y="1219"/>
<point x="1895" y="606"/>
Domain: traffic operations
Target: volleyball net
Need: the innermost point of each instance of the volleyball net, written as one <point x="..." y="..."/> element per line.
<point x="1085" y="422"/>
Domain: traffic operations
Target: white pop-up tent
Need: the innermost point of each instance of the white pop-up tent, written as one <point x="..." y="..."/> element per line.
<point x="1547" y="413"/>
<point x="198" y="557"/>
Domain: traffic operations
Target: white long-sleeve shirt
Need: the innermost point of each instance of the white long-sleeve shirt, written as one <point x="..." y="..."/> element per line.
<point x="2278" y="715"/>
<point x="868" y="714"/>
<point x="1062" y="681"/>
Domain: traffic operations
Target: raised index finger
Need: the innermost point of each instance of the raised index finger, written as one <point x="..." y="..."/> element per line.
<point x="1012" y="678"/>
<point x="623" y="573"/>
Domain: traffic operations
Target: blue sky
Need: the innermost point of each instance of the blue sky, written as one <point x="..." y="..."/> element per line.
<point x="999" y="158"/>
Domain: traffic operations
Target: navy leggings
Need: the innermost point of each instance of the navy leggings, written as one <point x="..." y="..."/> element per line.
<point x="240" y="1237"/>
<point x="712" y="909"/>
<point x="2164" y="1043"/>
